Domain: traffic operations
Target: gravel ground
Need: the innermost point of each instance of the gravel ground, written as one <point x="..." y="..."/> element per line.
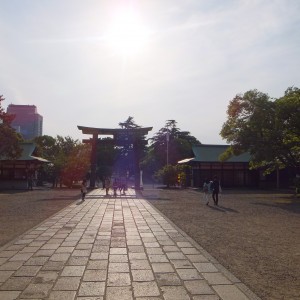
<point x="254" y="234"/>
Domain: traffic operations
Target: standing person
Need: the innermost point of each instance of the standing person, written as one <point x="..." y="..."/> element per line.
<point x="30" y="183"/>
<point x="206" y="189"/>
<point x="83" y="189"/>
<point x="107" y="185"/>
<point x="122" y="186"/>
<point x="115" y="186"/>
<point x="215" y="186"/>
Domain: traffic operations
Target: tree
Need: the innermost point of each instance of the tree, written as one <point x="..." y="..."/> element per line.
<point x="129" y="123"/>
<point x="46" y="147"/>
<point x="9" y="138"/>
<point x="269" y="130"/>
<point x="67" y="156"/>
<point x="150" y="164"/>
<point x="70" y="160"/>
<point x="5" y="118"/>
<point x="172" y="175"/>
<point x="131" y="147"/>
<point x="67" y="144"/>
<point x="168" y="175"/>
<point x="172" y="142"/>
<point x="169" y="142"/>
<point x="77" y="164"/>
<point x="287" y="117"/>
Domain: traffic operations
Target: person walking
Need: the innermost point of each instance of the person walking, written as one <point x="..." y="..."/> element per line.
<point x="215" y="186"/>
<point x="83" y="189"/>
<point x="206" y="190"/>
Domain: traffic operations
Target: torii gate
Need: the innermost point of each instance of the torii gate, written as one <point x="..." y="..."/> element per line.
<point x="133" y="134"/>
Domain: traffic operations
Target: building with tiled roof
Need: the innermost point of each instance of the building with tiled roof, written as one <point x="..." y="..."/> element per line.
<point x="14" y="174"/>
<point x="234" y="172"/>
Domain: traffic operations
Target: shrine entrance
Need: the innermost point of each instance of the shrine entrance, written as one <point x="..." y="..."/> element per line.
<point x="132" y="136"/>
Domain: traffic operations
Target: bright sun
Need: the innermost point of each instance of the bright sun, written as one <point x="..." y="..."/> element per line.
<point x="127" y="34"/>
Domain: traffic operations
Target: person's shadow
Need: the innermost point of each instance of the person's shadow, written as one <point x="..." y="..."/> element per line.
<point x="229" y="209"/>
<point x="216" y="208"/>
<point x="222" y="208"/>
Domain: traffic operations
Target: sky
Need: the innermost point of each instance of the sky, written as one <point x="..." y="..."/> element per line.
<point x="95" y="63"/>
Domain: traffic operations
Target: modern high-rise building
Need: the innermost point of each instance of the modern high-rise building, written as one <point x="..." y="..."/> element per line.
<point x="27" y="121"/>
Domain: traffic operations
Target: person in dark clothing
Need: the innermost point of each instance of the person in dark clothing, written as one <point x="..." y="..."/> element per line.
<point x="215" y="186"/>
<point x="30" y="183"/>
<point x="83" y="189"/>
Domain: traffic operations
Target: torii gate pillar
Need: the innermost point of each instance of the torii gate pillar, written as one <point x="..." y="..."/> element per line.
<point x="93" y="160"/>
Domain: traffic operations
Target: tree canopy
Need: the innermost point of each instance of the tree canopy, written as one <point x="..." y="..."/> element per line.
<point x="129" y="123"/>
<point x="174" y="175"/>
<point x="173" y="143"/>
<point x="70" y="159"/>
<point x="269" y="129"/>
<point x="124" y="152"/>
<point x="169" y="143"/>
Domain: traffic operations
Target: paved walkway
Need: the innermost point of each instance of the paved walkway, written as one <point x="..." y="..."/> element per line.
<point x="114" y="249"/>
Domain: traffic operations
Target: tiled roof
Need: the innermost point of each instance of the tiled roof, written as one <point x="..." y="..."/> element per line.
<point x="211" y="153"/>
<point x="28" y="149"/>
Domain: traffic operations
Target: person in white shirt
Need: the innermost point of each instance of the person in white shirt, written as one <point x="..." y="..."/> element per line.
<point x="206" y="190"/>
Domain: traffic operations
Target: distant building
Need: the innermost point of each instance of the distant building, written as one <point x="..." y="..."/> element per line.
<point x="27" y="121"/>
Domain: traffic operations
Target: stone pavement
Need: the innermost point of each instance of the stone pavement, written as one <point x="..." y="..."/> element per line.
<point x="112" y="248"/>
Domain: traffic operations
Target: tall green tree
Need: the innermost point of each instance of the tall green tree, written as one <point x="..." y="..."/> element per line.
<point x="46" y="147"/>
<point x="169" y="143"/>
<point x="129" y="123"/>
<point x="174" y="175"/>
<point x="9" y="138"/>
<point x="68" y="158"/>
<point x="167" y="175"/>
<point x="268" y="129"/>
<point x="77" y="164"/>
<point x="126" y="150"/>
<point x="287" y="120"/>
<point x="67" y="144"/>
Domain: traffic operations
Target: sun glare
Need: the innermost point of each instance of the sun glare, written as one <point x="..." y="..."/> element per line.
<point x="127" y="34"/>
